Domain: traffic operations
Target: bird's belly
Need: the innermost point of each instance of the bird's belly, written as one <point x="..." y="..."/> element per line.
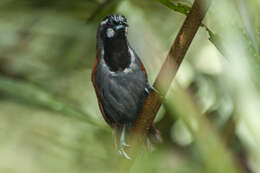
<point x="122" y="95"/>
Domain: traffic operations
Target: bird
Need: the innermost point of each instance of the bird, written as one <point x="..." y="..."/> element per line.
<point x="119" y="77"/>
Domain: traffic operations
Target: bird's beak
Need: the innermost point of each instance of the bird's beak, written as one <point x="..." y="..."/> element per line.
<point x="120" y="28"/>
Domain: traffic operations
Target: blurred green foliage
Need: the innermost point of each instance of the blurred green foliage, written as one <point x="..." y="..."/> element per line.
<point x="49" y="117"/>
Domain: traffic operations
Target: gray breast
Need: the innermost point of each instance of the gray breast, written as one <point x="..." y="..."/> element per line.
<point x="122" y="93"/>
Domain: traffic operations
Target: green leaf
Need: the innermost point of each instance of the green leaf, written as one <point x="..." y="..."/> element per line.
<point x="181" y="8"/>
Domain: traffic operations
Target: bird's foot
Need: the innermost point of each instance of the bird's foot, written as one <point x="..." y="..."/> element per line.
<point x="155" y="90"/>
<point x="122" y="150"/>
<point x="123" y="144"/>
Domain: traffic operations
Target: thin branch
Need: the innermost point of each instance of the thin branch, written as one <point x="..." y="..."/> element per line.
<point x="169" y="70"/>
<point x="184" y="9"/>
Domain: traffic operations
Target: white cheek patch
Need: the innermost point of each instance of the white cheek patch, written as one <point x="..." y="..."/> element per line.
<point x="110" y="32"/>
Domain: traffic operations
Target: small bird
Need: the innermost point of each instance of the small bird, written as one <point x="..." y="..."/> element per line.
<point x="119" y="77"/>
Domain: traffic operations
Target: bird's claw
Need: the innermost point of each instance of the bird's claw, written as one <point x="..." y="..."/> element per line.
<point x="123" y="153"/>
<point x="124" y="145"/>
<point x="155" y="90"/>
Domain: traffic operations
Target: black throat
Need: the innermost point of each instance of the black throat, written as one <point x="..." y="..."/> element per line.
<point x="116" y="53"/>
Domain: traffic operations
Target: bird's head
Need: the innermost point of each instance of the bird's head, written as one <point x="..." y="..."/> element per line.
<point x="112" y="44"/>
<point x="113" y="27"/>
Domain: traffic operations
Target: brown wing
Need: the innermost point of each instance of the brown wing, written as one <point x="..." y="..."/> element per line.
<point x="98" y="95"/>
<point x="142" y="66"/>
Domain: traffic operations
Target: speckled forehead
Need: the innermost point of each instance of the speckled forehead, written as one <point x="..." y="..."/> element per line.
<point x="119" y="18"/>
<point x="116" y="18"/>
